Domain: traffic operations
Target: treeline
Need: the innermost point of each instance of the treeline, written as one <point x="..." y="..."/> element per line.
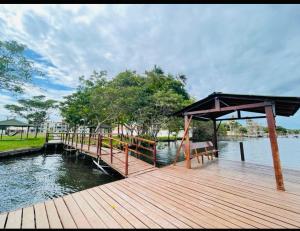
<point x="142" y="103"/>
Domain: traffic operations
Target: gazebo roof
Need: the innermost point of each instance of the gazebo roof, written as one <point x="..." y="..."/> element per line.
<point x="13" y="123"/>
<point x="284" y="106"/>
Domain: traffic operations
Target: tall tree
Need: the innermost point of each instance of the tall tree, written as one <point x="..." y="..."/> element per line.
<point x="34" y="110"/>
<point x="15" y="68"/>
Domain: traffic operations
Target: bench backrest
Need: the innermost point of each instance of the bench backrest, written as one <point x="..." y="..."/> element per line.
<point x="200" y="146"/>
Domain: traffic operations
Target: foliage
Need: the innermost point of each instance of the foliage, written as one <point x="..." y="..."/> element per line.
<point x="141" y="103"/>
<point x="202" y="130"/>
<point x="15" y="68"/>
<point x="34" y="110"/>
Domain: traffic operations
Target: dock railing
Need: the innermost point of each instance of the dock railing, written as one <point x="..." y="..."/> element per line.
<point x="110" y="144"/>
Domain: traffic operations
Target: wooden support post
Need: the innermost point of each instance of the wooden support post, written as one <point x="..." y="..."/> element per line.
<point x="81" y="141"/>
<point x="242" y="151"/>
<point x="47" y="137"/>
<point x="76" y="139"/>
<point x="274" y="147"/>
<point x="72" y="139"/>
<point x="154" y="154"/>
<point x="126" y="159"/>
<point x="215" y="138"/>
<point x="1" y="133"/>
<point x="187" y="143"/>
<point x="98" y="145"/>
<point x="89" y="141"/>
<point x="111" y="149"/>
<point x="22" y="133"/>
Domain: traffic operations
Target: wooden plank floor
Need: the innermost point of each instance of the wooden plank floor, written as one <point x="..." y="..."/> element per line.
<point x="135" y="165"/>
<point x="218" y="194"/>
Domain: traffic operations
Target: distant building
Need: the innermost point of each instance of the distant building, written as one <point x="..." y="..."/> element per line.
<point x="52" y="126"/>
<point x="254" y="129"/>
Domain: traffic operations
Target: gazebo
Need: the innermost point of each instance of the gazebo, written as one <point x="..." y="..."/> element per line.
<point x="218" y="104"/>
<point x="13" y="123"/>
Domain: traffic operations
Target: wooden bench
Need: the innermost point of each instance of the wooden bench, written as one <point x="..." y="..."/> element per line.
<point x="205" y="148"/>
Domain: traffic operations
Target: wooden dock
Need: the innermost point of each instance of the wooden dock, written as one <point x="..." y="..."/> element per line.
<point x="218" y="194"/>
<point x="135" y="165"/>
<point x="124" y="156"/>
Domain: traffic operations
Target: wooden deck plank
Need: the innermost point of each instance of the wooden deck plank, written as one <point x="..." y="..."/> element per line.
<point x="41" y="218"/>
<point x="135" y="212"/>
<point x="28" y="221"/>
<point x="3" y="217"/>
<point x="64" y="214"/>
<point x="194" y="214"/>
<point x="215" y="195"/>
<point x="119" y="208"/>
<point x="105" y="217"/>
<point x="170" y="209"/>
<point x="53" y="217"/>
<point x="78" y="216"/>
<point x="258" y="207"/>
<point x="109" y="209"/>
<point x="230" y="189"/>
<point x="14" y="219"/>
<point x="88" y="212"/>
<point x="141" y="207"/>
<point x="232" y="214"/>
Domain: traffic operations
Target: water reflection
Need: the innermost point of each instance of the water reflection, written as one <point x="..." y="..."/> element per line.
<point x="257" y="150"/>
<point x="34" y="178"/>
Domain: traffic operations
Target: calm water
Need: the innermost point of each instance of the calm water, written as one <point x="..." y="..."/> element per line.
<point x="257" y="150"/>
<point x="34" y="178"/>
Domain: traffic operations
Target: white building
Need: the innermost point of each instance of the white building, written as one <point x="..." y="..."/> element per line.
<point x="52" y="126"/>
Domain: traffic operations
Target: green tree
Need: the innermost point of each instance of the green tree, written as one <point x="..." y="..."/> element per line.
<point x="141" y="103"/>
<point x="15" y="68"/>
<point x="34" y="110"/>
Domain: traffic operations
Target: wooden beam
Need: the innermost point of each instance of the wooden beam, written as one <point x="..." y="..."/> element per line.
<point x="183" y="138"/>
<point x="242" y="118"/>
<point x="274" y="147"/>
<point x="230" y="108"/>
<point x="215" y="138"/>
<point x="187" y="143"/>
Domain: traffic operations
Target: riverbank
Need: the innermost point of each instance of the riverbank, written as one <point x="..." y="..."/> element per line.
<point x="10" y="143"/>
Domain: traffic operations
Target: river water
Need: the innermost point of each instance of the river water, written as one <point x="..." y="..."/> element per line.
<point x="257" y="150"/>
<point x="34" y="178"/>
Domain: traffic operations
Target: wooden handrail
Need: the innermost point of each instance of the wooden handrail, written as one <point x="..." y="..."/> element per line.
<point x="111" y="143"/>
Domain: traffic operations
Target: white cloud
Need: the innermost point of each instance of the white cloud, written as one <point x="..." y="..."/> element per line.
<point x="231" y="48"/>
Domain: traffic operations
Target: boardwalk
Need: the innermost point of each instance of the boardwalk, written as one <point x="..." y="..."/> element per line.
<point x="135" y="165"/>
<point x="219" y="194"/>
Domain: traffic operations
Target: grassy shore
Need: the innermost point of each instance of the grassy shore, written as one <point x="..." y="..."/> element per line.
<point x="12" y="143"/>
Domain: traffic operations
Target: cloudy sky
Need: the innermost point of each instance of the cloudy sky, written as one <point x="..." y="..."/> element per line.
<point x="251" y="49"/>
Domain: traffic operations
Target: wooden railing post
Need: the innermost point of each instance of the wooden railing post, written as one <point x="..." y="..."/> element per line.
<point x="111" y="149"/>
<point x="154" y="154"/>
<point x="81" y="141"/>
<point x="47" y="137"/>
<point x="89" y="141"/>
<point x="72" y="139"/>
<point x="126" y="159"/>
<point x="76" y="139"/>
<point x="99" y="145"/>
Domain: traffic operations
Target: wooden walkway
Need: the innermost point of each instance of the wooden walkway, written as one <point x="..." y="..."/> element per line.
<point x="219" y="194"/>
<point x="135" y="165"/>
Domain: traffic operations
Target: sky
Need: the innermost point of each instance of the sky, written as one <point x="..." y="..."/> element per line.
<point x="247" y="49"/>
